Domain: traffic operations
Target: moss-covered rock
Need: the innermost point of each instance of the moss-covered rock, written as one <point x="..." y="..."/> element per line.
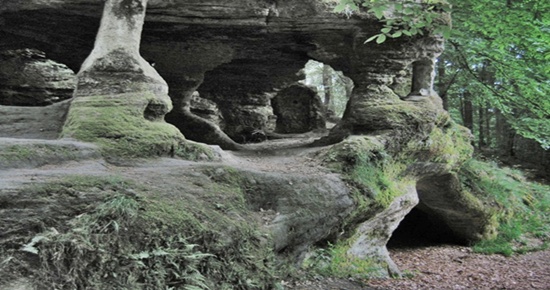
<point x="394" y="170"/>
<point x="22" y="153"/>
<point x="117" y="124"/>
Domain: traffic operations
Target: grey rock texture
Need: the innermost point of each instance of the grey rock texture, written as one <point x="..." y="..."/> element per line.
<point x="239" y="52"/>
<point x="29" y="78"/>
<point x="299" y="109"/>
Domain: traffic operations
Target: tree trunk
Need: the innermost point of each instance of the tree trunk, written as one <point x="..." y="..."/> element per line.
<point x="327" y="84"/>
<point x="488" y="134"/>
<point x="504" y="136"/>
<point x="442" y="86"/>
<point x="468" y="111"/>
<point x="481" y="128"/>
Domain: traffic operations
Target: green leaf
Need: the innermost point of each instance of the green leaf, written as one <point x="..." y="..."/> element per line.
<point x="409" y="11"/>
<point x="381" y="38"/>
<point x="386" y="29"/>
<point x="340" y="8"/>
<point x="397" y="34"/>
<point x="372" y="38"/>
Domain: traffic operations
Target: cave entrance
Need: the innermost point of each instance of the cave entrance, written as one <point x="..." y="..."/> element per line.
<point x="432" y="221"/>
<point x="421" y="229"/>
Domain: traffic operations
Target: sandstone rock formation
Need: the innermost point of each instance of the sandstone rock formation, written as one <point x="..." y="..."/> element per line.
<point x="120" y="99"/>
<point x="395" y="145"/>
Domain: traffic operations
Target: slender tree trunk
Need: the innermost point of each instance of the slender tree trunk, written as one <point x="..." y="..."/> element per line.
<point x="505" y="136"/>
<point x="487" y="76"/>
<point x="488" y="134"/>
<point x="327" y="84"/>
<point x="481" y="128"/>
<point x="441" y="84"/>
<point x="468" y="111"/>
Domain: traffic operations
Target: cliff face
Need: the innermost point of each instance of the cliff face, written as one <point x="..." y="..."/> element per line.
<point x="395" y="146"/>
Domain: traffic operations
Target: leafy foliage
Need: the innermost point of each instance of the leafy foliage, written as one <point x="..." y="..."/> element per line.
<point x="132" y="236"/>
<point x="334" y="261"/>
<point x="498" y="54"/>
<point x="403" y="18"/>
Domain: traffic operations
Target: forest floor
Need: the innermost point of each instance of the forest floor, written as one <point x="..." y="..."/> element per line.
<point x="450" y="267"/>
<point x="433" y="267"/>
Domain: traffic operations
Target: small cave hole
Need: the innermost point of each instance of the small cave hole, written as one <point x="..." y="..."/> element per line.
<point x="317" y="102"/>
<point x="420" y="229"/>
<point x="422" y="77"/>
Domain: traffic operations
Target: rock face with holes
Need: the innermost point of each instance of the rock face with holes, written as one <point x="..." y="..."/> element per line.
<point x="238" y="54"/>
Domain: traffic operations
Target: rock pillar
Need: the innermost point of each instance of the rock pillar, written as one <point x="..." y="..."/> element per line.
<point x="120" y="100"/>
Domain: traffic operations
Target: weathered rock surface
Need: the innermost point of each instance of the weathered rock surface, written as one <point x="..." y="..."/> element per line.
<point x="295" y="209"/>
<point x="120" y="99"/>
<point x="206" y="109"/>
<point x="299" y="109"/>
<point x="28" y="78"/>
<point x="33" y="122"/>
<point x="239" y="52"/>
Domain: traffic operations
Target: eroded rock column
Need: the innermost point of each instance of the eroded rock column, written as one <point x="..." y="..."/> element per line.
<point x="193" y="126"/>
<point x="120" y="100"/>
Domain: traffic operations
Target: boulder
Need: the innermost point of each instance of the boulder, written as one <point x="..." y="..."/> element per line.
<point x="299" y="109"/>
<point x="28" y="78"/>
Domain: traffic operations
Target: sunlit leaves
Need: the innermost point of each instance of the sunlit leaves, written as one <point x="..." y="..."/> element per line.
<point x="513" y="38"/>
<point x="403" y="18"/>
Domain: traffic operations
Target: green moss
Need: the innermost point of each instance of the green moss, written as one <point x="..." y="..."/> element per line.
<point x="118" y="125"/>
<point x="450" y="146"/>
<point x="33" y="153"/>
<point x="349" y="151"/>
<point x="382" y="180"/>
<point x="193" y="151"/>
<point x="376" y="178"/>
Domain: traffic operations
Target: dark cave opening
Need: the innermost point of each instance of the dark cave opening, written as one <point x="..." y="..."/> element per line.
<point x="420" y="229"/>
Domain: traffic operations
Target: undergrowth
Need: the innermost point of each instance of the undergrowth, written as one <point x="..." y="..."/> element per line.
<point x="378" y="177"/>
<point x="334" y="261"/>
<point x="521" y="207"/>
<point x="137" y="238"/>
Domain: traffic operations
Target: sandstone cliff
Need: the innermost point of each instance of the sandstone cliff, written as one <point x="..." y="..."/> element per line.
<point x="249" y="214"/>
